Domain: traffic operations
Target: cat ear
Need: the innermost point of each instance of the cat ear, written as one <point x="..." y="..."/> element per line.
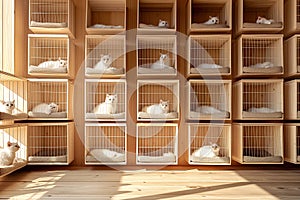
<point x="13" y="101"/>
<point x="160" y="20"/>
<point x="1" y="101"/>
<point x="9" y="143"/>
<point x="107" y="95"/>
<point x="210" y="17"/>
<point x="59" y="58"/>
<point x="101" y="55"/>
<point x="161" y="101"/>
<point x="259" y="17"/>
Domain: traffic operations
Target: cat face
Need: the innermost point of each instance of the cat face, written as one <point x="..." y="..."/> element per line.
<point x="214" y="20"/>
<point x="62" y="63"/>
<point x="164" y="105"/>
<point x="106" y="59"/>
<point x="260" y="20"/>
<point x="13" y="146"/>
<point x="111" y="98"/>
<point x="53" y="107"/>
<point x="8" y="105"/>
<point x="215" y="147"/>
<point x="163" y="57"/>
<point x="163" y="24"/>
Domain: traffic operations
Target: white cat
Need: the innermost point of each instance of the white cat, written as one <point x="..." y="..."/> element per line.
<point x="107" y="107"/>
<point x="156" y="109"/>
<point x="104" y="62"/>
<point x="163" y="24"/>
<point x="104" y="154"/>
<point x="208" y="110"/>
<point x="212" y="20"/>
<point x="7" y="106"/>
<point x="263" y="65"/>
<point x="53" y="64"/>
<point x="46" y="108"/>
<point x="209" y="66"/>
<point x="261" y="110"/>
<point x="8" y="154"/>
<point x="208" y="151"/>
<point x="262" y="20"/>
<point x="163" y="62"/>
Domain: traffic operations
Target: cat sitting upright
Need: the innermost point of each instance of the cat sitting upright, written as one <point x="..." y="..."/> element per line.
<point x="8" y="154"/>
<point x="163" y="62"/>
<point x="46" y="108"/>
<point x="207" y="151"/>
<point x="212" y="20"/>
<point x="53" y="64"/>
<point x="7" y="106"/>
<point x="104" y="62"/>
<point x="156" y="109"/>
<point x="109" y="106"/>
<point x="262" y="20"/>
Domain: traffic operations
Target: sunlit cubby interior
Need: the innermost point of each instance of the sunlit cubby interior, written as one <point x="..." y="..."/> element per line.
<point x="292" y="143"/>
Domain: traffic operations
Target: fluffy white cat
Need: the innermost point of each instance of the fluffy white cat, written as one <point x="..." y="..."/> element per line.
<point x="53" y="64"/>
<point x="163" y="24"/>
<point x="8" y="154"/>
<point x="263" y="65"/>
<point x="7" y="106"/>
<point x="207" y="151"/>
<point x="209" y="66"/>
<point x="163" y="62"/>
<point x="46" y="108"/>
<point x="208" y="110"/>
<point x="104" y="62"/>
<point x="109" y="106"/>
<point x="262" y="20"/>
<point x="212" y="20"/>
<point x="156" y="109"/>
<point x="104" y="154"/>
<point x="261" y="110"/>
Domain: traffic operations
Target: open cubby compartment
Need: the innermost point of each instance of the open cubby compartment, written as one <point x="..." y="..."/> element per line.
<point x="151" y="93"/>
<point x="50" y="143"/>
<point x="259" y="55"/>
<point x="105" y="144"/>
<point x="248" y="11"/>
<point x="292" y="142"/>
<point x="99" y="47"/>
<point x="150" y="12"/>
<point x="105" y="17"/>
<point x="209" y="99"/>
<point x="209" y="55"/>
<point x="149" y="52"/>
<point x="157" y="144"/>
<point x="203" y="137"/>
<point x="105" y="100"/>
<point x="292" y="56"/>
<point x="254" y="143"/>
<point x="258" y="99"/>
<point x="46" y="93"/>
<point x="292" y="99"/>
<point x="50" y="56"/>
<point x="291" y="17"/>
<point x="200" y="11"/>
<point x="48" y="16"/>
<point x="14" y="134"/>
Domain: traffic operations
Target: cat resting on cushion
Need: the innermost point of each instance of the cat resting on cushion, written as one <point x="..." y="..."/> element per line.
<point x="104" y="62"/>
<point x="208" y="151"/>
<point x="46" y="108"/>
<point x="53" y="64"/>
<point x="109" y="106"/>
<point x="155" y="109"/>
<point x="212" y="20"/>
<point x="163" y="62"/>
<point x="208" y="110"/>
<point x="262" y="20"/>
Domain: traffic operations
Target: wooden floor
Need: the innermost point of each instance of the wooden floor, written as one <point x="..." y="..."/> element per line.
<point x="131" y="185"/>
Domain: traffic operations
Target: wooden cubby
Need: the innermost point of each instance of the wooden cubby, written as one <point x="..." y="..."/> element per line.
<point x="258" y="99"/>
<point x="50" y="47"/>
<point x="50" y="143"/>
<point x="201" y="135"/>
<point x="199" y="12"/>
<point x="108" y="16"/>
<point x="209" y="55"/>
<point x="209" y="99"/>
<point x="157" y="144"/>
<point x="291" y="17"/>
<point x="247" y="12"/>
<point x="54" y="17"/>
<point x="257" y="143"/>
<point x="47" y="91"/>
<point x="292" y="56"/>
<point x="292" y="99"/>
<point x="259" y="55"/>
<point x="149" y="12"/>
<point x="96" y="91"/>
<point x="292" y="142"/>
<point x="105" y="144"/>
<point x="98" y="45"/>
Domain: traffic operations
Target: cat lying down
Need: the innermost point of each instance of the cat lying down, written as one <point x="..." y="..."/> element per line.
<point x="265" y="67"/>
<point x="157" y="111"/>
<point x="262" y="112"/>
<point x="44" y="110"/>
<point x="103" y="26"/>
<point x="208" y="153"/>
<point x="161" y="24"/>
<point x="211" y="22"/>
<point x="165" y="158"/>
<point x="105" y="155"/>
<point x="208" y="111"/>
<point x="48" y="24"/>
<point x="57" y="66"/>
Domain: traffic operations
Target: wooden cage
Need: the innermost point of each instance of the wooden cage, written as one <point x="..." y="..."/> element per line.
<point x="257" y="143"/>
<point x="50" y="99"/>
<point x="105" y="144"/>
<point x="50" y="143"/>
<point x="105" y="100"/>
<point x="292" y="143"/>
<point x="157" y="144"/>
<point x="163" y="95"/>
<point x="14" y="134"/>
<point x="150" y="12"/>
<point x="209" y="55"/>
<point x="105" y="17"/>
<point x="248" y="11"/>
<point x="292" y="99"/>
<point x="209" y="99"/>
<point x="292" y="56"/>
<point x="99" y="48"/>
<point x="291" y="17"/>
<point x="203" y="137"/>
<point x="258" y="99"/>
<point x="156" y="55"/>
<point x="48" y="16"/>
<point x="259" y="55"/>
<point x="200" y="11"/>
<point x="50" y="55"/>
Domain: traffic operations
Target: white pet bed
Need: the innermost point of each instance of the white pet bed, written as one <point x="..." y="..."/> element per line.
<point x="105" y="116"/>
<point x="255" y="25"/>
<point x="194" y="114"/>
<point x="44" y="115"/>
<point x="35" y="69"/>
<point x="48" y="24"/>
<point x="111" y="70"/>
<point x="4" y="170"/>
<point x="278" y="69"/>
<point x="262" y="115"/>
<point x="49" y="155"/>
<point x="201" y="25"/>
<point x="146" y="70"/>
<point x="209" y="71"/>
<point x="217" y="159"/>
<point x="171" y="115"/>
<point x="271" y="159"/>
<point x="16" y="116"/>
<point x="169" y="158"/>
<point x="105" y="155"/>
<point x="103" y="26"/>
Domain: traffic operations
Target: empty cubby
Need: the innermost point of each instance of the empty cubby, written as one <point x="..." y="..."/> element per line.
<point x="99" y="47"/>
<point x="150" y="12"/>
<point x="209" y="55"/>
<point x="292" y="56"/>
<point x="14" y="134"/>
<point x="50" y="143"/>
<point x="149" y="55"/>
<point x="105" y="144"/>
<point x="157" y="144"/>
<point x="50" y="99"/>
<point x="209" y="144"/>
<point x="258" y="99"/>
<point x="200" y="11"/>
<point x="292" y="143"/>
<point x="48" y="16"/>
<point x="163" y="95"/>
<point x="292" y="99"/>
<point x="257" y="143"/>
<point x="248" y="11"/>
<point x="105" y="100"/>
<point x="209" y="99"/>
<point x="105" y="17"/>
<point x="50" y="56"/>
<point x="259" y="55"/>
<point x="291" y="17"/>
